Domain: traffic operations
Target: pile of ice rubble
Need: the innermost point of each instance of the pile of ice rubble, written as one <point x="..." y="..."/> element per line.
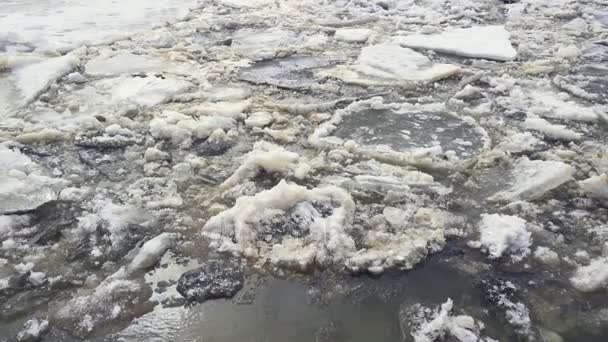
<point x="427" y="325"/>
<point x="362" y="138"/>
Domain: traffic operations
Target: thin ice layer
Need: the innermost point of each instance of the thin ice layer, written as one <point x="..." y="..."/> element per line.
<point x="391" y="64"/>
<point x="533" y="178"/>
<point x="122" y="63"/>
<point x="403" y="133"/>
<point x="66" y="24"/>
<point x="489" y="42"/>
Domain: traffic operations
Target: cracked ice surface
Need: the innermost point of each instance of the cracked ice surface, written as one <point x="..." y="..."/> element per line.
<point x="336" y="166"/>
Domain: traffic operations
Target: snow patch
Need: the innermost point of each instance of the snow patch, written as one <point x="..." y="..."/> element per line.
<point x="504" y="234"/>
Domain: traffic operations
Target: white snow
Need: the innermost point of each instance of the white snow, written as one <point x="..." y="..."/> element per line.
<point x="32" y="330"/>
<point x="596" y="186"/>
<point x="353" y="35"/>
<point x="504" y="235"/>
<point x="224" y="108"/>
<point x="546" y="256"/>
<point x="21" y="186"/>
<point x="391" y="64"/>
<point x="533" y="178"/>
<point x="488" y="42"/>
<point x="256" y="45"/>
<point x="122" y="63"/>
<point x="181" y="129"/>
<point x="550" y="130"/>
<point x="428" y="154"/>
<point x="592" y="277"/>
<point x="33" y="79"/>
<point x="270" y="158"/>
<point x="559" y="106"/>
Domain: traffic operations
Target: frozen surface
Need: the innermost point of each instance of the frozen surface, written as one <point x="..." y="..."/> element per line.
<point x="21" y="186"/>
<point x="489" y="42"/>
<point x="122" y="63"/>
<point x="533" y="178"/>
<point x="327" y="241"/>
<point x="391" y="64"/>
<point x="148" y="160"/>
<point x="66" y="24"/>
<point x="592" y="277"/>
<point x="404" y="133"/>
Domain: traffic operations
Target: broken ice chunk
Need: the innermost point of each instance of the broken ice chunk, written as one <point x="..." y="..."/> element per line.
<point x="21" y="188"/>
<point x="122" y="63"/>
<point x="151" y="252"/>
<point x="591" y="277"/>
<point x="353" y="35"/>
<point x="504" y="234"/>
<point x="596" y="186"/>
<point x="429" y="325"/>
<point x="270" y="158"/>
<point x="32" y="330"/>
<point x="114" y="302"/>
<point x="33" y="79"/>
<point x="557" y="105"/>
<point x="146" y="91"/>
<point x="403" y="133"/>
<point x="288" y="73"/>
<point x="533" y="178"/>
<point x="550" y="130"/>
<point x="391" y="64"/>
<point x="257" y="45"/>
<point x="257" y="225"/>
<point x="489" y="42"/>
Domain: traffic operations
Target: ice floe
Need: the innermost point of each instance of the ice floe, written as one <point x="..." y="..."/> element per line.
<point x="533" y="178"/>
<point x="247" y="227"/>
<point x="399" y="133"/>
<point x="489" y="42"/>
<point x="32" y="79"/>
<point x="391" y="64"/>
<point x="22" y="187"/>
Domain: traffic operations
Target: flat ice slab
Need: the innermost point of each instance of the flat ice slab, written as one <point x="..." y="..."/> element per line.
<point x="391" y="64"/>
<point x="122" y="63"/>
<point x="488" y="42"/>
<point x="289" y="73"/>
<point x="533" y="178"/>
<point x="33" y="79"/>
<point x="403" y="133"/>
